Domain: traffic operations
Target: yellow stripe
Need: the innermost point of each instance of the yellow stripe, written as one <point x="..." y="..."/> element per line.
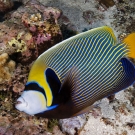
<point x="111" y="32"/>
<point x="37" y="74"/>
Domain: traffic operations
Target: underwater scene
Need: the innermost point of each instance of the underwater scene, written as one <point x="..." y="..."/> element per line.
<point x="67" y="67"/>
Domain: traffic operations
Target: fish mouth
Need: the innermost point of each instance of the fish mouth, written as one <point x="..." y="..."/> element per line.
<point x="21" y="103"/>
<point x="18" y="102"/>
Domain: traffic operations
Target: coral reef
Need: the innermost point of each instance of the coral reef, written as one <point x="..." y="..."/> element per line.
<point x="19" y="79"/>
<point x="42" y="28"/>
<point x="24" y="35"/>
<point x="10" y="38"/>
<point x="32" y="29"/>
<point x="27" y="125"/>
<point x="5" y="5"/>
<point x="6" y="68"/>
<point x="18" y="44"/>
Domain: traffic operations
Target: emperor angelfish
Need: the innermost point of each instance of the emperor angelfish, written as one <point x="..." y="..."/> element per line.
<point x="68" y="78"/>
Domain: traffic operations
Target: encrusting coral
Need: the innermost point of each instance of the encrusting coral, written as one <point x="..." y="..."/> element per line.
<point x="18" y="43"/>
<point x="43" y="27"/>
<point x="6" y="68"/>
<point x="19" y="79"/>
<point x="30" y="30"/>
<point x="24" y="35"/>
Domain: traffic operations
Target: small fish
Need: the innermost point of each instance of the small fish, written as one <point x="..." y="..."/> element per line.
<point x="68" y="78"/>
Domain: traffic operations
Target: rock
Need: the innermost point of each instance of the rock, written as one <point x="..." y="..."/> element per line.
<point x="5" y="5"/>
<point x="73" y="125"/>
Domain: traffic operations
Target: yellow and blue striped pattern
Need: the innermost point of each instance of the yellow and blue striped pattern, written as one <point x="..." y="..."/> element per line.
<point x="101" y="66"/>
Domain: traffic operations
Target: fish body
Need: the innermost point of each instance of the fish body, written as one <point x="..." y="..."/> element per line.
<point x="75" y="73"/>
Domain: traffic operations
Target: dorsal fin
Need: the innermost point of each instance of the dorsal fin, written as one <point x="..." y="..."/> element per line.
<point x="110" y="31"/>
<point x="105" y="32"/>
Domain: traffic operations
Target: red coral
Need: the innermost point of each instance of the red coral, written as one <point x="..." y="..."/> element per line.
<point x="43" y="27"/>
<point x="41" y="38"/>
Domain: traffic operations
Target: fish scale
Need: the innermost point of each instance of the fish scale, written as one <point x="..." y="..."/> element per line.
<point x="94" y="52"/>
<point x="75" y="73"/>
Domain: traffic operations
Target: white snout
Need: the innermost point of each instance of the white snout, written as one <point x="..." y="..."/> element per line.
<point x="21" y="104"/>
<point x="31" y="102"/>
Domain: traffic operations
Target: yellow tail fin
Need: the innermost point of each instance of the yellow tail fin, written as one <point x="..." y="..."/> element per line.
<point x="130" y="42"/>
